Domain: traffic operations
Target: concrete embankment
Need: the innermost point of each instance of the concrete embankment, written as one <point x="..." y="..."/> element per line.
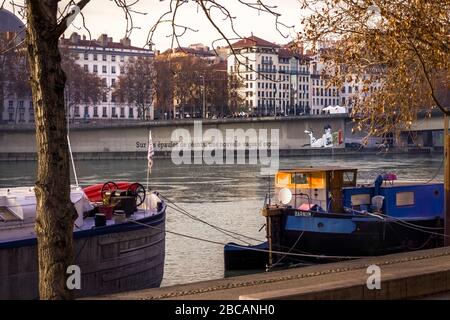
<point x="79" y="156"/>
<point x="403" y="276"/>
<point x="130" y="140"/>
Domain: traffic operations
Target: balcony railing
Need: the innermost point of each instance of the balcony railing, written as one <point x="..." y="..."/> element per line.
<point x="262" y="70"/>
<point x="299" y="72"/>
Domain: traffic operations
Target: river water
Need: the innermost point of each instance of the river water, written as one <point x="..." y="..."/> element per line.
<point x="229" y="196"/>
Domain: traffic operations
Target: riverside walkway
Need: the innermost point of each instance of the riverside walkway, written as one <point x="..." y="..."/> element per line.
<point x="409" y="275"/>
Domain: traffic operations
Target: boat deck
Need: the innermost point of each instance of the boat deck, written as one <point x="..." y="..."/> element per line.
<point x="16" y="229"/>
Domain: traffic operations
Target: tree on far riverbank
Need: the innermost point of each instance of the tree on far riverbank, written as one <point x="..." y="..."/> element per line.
<point x="404" y="45"/>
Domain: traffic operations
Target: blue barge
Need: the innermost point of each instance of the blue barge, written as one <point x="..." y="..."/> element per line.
<point x="323" y="215"/>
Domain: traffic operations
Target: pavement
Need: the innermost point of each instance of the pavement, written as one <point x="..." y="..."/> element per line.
<point x="421" y="274"/>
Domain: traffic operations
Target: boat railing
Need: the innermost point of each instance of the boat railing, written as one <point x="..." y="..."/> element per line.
<point x="325" y="206"/>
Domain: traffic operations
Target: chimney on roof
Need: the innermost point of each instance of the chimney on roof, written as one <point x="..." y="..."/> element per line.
<point x="103" y="40"/>
<point x="126" y="42"/>
<point x="84" y="37"/>
<point x="75" y="37"/>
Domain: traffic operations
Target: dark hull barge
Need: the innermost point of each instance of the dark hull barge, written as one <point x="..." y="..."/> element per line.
<point x="324" y="216"/>
<point x="119" y="240"/>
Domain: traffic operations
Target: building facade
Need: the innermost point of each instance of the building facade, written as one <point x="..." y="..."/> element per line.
<point x="14" y="106"/>
<point x="322" y="93"/>
<point x="275" y="80"/>
<point x="103" y="57"/>
<point x="107" y="60"/>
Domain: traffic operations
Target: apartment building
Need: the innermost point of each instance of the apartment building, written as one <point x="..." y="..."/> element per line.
<point x="103" y="57"/>
<point x="107" y="59"/>
<point x="276" y="80"/>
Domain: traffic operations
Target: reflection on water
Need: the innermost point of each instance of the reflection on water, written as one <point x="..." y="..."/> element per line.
<point x="229" y="196"/>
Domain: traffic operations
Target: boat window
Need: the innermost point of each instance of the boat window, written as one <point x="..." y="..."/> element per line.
<point x="349" y="176"/>
<point x="282" y="179"/>
<point x="404" y="198"/>
<point x="317" y="180"/>
<point x="359" y="199"/>
<point x="299" y="178"/>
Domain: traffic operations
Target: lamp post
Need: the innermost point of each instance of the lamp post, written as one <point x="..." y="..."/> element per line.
<point x="204" y="100"/>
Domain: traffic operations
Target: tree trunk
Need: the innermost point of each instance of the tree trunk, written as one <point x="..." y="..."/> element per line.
<point x="55" y="212"/>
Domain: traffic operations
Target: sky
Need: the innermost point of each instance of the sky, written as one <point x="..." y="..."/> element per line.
<point x="103" y="16"/>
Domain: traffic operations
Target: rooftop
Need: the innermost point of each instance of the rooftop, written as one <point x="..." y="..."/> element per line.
<point x="254" y="42"/>
<point x="191" y="51"/>
<point x="316" y="169"/>
<point x="102" y="42"/>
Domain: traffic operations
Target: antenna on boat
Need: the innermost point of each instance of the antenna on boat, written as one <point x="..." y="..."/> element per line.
<point x="73" y="163"/>
<point x="70" y="150"/>
<point x="269" y="190"/>
<point x="150" y="154"/>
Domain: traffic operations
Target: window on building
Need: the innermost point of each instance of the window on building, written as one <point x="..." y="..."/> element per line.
<point x="95" y="68"/>
<point x="122" y="69"/>
<point x="104" y="57"/>
<point x="113" y="69"/>
<point x="77" y="111"/>
<point x="113" y="83"/>
<point x="86" y="56"/>
<point x="104" y="98"/>
<point x="95" y="112"/>
<point x="31" y="111"/>
<point x="130" y="112"/>
<point x="113" y="58"/>
<point x="122" y="58"/>
<point x="122" y="112"/>
<point x="113" y="98"/>
<point x="86" y="112"/>
<point x="113" y="112"/>
<point x="104" y="112"/>
<point x="104" y="69"/>
<point x="104" y="82"/>
<point x="95" y="57"/>
<point x="86" y="68"/>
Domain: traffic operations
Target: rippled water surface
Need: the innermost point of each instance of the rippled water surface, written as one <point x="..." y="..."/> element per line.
<point x="229" y="196"/>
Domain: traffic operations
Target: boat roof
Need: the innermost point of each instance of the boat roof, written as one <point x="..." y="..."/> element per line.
<point x="317" y="169"/>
